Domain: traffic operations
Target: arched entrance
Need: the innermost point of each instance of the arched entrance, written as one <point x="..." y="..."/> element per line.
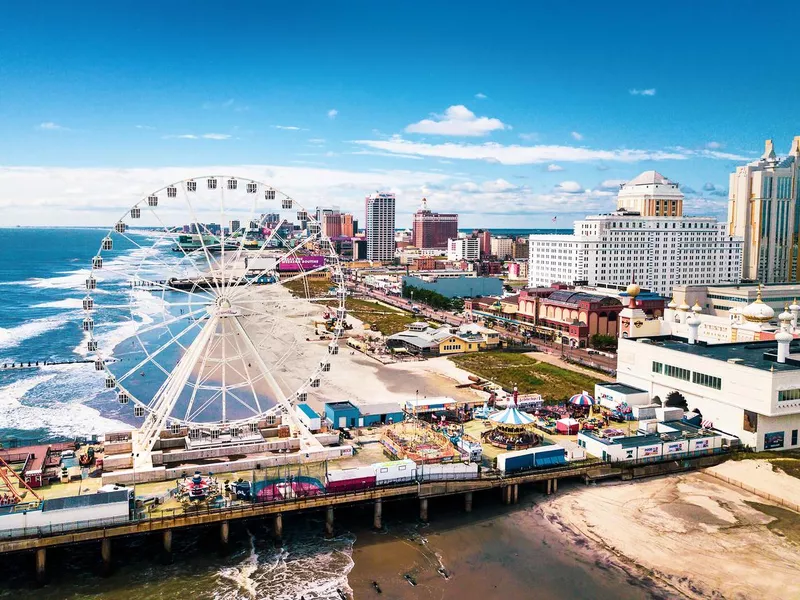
<point x="676" y="400"/>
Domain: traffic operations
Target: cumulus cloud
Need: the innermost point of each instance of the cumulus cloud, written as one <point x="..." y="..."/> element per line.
<point x="50" y="126"/>
<point x="332" y="113"/>
<point x="713" y="145"/>
<point x="612" y="184"/>
<point x="568" y="187"/>
<point x="480" y="96"/>
<point x="457" y="120"/>
<point x="647" y="92"/>
<point x="577" y="136"/>
<point x="553" y="168"/>
<point x="515" y="154"/>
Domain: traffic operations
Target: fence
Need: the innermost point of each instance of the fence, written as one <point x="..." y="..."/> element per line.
<point x="760" y="493"/>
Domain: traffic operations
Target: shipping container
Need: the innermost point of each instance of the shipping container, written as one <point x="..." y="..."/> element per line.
<point x="447" y="471"/>
<point x="346" y="480"/>
<point x="395" y="471"/>
<point x="540" y="457"/>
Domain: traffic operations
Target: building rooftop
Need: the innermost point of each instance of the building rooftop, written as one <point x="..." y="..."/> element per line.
<point x="756" y="355"/>
<point x="574" y="298"/>
<point x="622" y="388"/>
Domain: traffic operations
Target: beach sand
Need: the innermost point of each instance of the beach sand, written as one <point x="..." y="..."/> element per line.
<point x="686" y="536"/>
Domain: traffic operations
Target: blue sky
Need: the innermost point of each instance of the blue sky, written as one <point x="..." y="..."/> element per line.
<point x="508" y="113"/>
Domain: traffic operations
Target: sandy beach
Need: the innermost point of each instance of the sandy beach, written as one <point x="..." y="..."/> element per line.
<point x="686" y="536"/>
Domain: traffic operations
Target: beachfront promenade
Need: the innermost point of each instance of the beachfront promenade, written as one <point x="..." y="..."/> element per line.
<point x="165" y="522"/>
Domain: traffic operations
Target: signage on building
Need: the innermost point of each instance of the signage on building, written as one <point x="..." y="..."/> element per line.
<point x="671" y="448"/>
<point x="701" y="444"/>
<point x="773" y="440"/>
<point x="304" y="263"/>
<point x="651" y="451"/>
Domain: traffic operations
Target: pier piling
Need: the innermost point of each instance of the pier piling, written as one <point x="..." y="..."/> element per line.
<point x="224" y="533"/>
<point x="468" y="502"/>
<point x="105" y="555"/>
<point x="278" y="526"/>
<point x="377" y="522"/>
<point x="555" y="485"/>
<point x="41" y="565"/>
<point x="549" y="486"/>
<point x="515" y="493"/>
<point x="167" y="543"/>
<point x="423" y="510"/>
<point x="329" y="522"/>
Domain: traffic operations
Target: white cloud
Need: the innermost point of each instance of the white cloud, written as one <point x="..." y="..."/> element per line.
<point x="288" y="128"/>
<point x="515" y="154"/>
<point x="568" y="187"/>
<point x="50" y="126"/>
<point x="480" y="96"/>
<point x="577" y="136"/>
<point x="529" y="137"/>
<point x="457" y="120"/>
<point x="193" y="136"/>
<point x="713" y="145"/>
<point x="552" y="168"/>
<point x="148" y="127"/>
<point x="612" y="184"/>
<point x="387" y="154"/>
<point x="332" y="113"/>
<point x="316" y="141"/>
<point x="647" y="92"/>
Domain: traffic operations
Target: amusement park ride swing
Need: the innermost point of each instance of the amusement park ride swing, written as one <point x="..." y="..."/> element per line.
<point x="228" y="379"/>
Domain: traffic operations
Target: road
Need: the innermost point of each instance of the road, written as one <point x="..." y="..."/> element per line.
<point x="580" y="355"/>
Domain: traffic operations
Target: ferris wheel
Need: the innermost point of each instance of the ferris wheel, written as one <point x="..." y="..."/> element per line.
<point x="237" y="300"/>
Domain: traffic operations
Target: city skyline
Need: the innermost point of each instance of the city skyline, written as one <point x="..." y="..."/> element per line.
<point x="102" y="112"/>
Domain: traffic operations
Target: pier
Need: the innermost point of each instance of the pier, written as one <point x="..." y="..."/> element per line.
<point x="166" y="523"/>
<point x="35" y="364"/>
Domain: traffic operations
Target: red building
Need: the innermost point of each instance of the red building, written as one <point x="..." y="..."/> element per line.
<point x="432" y="230"/>
<point x="574" y="317"/>
<point x="336" y="224"/>
<point x="486" y="241"/>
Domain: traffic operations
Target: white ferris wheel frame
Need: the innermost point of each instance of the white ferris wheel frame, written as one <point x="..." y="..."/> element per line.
<point x="218" y="298"/>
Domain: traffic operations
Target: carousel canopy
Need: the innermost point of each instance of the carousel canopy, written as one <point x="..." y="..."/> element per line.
<point x="582" y="399"/>
<point x="511" y="416"/>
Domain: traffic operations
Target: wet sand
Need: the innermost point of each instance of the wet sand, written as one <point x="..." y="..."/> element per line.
<point x="493" y="552"/>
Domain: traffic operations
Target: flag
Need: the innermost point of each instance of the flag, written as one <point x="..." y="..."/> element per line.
<point x="554" y="219"/>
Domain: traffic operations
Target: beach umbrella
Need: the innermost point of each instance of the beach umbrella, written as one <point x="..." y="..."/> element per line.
<point x="582" y="399"/>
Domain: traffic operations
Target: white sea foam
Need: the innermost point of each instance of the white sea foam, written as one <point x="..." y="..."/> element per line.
<point x="68" y="416"/>
<point x="13" y="336"/>
<point x="69" y="303"/>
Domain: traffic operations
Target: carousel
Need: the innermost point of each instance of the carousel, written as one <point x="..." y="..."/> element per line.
<point x="198" y="490"/>
<point x="511" y="429"/>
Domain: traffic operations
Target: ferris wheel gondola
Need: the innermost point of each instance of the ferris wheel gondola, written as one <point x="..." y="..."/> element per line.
<point x="226" y="345"/>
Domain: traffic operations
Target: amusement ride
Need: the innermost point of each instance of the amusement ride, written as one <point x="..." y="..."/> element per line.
<point x="225" y="276"/>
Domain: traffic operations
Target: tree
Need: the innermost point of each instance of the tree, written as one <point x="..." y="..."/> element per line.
<point x="603" y="342"/>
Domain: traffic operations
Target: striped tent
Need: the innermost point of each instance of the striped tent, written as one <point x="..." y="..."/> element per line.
<point x="582" y="399"/>
<point x="511" y="416"/>
<point x="706" y="424"/>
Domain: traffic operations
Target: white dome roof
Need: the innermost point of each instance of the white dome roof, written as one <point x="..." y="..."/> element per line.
<point x="794" y="305"/>
<point x="697" y="308"/>
<point x="783" y="336"/>
<point x="785" y="315"/>
<point x="758" y="312"/>
<point x="672" y="304"/>
<point x="683" y="306"/>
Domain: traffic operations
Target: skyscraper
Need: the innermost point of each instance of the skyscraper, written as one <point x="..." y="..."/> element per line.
<point x="764" y="209"/>
<point x="380" y="226"/>
<point x="432" y="230"/>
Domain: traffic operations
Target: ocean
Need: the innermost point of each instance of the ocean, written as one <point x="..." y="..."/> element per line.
<point x="42" y="274"/>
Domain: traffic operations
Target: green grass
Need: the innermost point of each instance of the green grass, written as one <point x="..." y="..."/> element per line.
<point x="316" y="287"/>
<point x="530" y="376"/>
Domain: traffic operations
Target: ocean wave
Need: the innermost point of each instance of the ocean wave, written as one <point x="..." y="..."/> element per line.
<point x="307" y="567"/>
<point x="12" y="337"/>
<point x="68" y="418"/>
<point x="69" y="303"/>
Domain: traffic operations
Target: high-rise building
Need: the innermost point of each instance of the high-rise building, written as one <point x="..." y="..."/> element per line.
<point x="464" y="248"/>
<point x="432" y="230"/>
<point x="764" y="209"/>
<point x="658" y="251"/>
<point x="501" y="247"/>
<point x="235" y="226"/>
<point x="651" y="195"/>
<point x="520" y="248"/>
<point x="485" y="238"/>
<point x="334" y="223"/>
<point x="380" y="226"/>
